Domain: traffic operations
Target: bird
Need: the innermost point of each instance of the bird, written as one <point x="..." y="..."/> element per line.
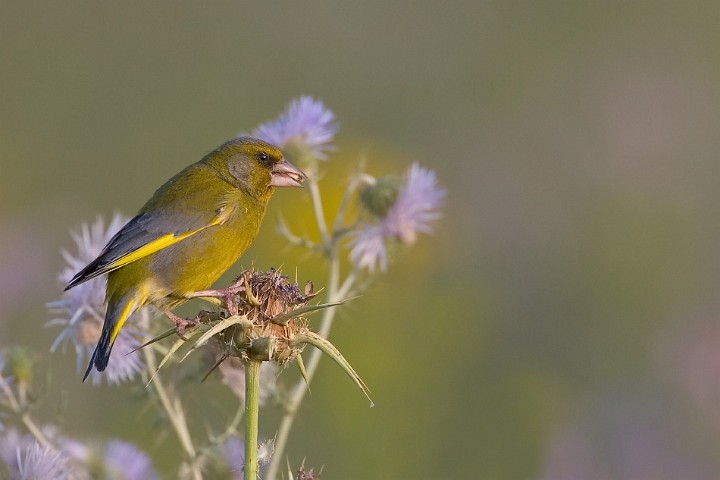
<point x="192" y="230"/>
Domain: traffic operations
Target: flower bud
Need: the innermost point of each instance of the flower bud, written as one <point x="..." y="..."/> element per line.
<point x="19" y="364"/>
<point x="379" y="196"/>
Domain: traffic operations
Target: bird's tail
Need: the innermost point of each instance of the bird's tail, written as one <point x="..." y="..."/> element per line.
<point x="115" y="317"/>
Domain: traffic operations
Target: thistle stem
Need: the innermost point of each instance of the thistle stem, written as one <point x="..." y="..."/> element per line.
<point x="340" y="216"/>
<point x="252" y="387"/>
<point x="174" y="411"/>
<point x="36" y="432"/>
<point x="298" y="392"/>
<point x="318" y="209"/>
<point x="17" y="407"/>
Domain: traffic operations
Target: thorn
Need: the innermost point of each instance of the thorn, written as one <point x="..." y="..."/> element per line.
<point x="215" y="366"/>
<point x="303" y="372"/>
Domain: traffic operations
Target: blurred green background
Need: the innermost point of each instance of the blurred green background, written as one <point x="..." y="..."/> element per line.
<point x="562" y="323"/>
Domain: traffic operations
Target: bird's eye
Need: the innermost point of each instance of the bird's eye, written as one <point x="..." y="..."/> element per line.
<point x="263" y="157"/>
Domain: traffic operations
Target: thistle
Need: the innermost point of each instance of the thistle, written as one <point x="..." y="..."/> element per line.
<point x="262" y="318"/>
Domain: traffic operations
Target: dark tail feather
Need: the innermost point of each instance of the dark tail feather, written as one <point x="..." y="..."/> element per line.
<point x="101" y="355"/>
<point x="117" y="312"/>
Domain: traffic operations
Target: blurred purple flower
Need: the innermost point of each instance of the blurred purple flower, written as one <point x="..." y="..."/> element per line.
<point x="124" y="461"/>
<point x="36" y="462"/>
<point x="368" y="248"/>
<point x="22" y="457"/>
<point x="414" y="209"/>
<point x="75" y="450"/>
<point x="115" y="460"/>
<point x="307" y="121"/>
<point x="416" y="205"/>
<point x="83" y="308"/>
<point x="232" y="372"/>
<point x="10" y="442"/>
<point x="233" y="450"/>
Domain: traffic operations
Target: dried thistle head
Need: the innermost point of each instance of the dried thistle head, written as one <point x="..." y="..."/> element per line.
<point x="267" y="300"/>
<point x="261" y="319"/>
<point x="269" y="294"/>
<point x="304" y="474"/>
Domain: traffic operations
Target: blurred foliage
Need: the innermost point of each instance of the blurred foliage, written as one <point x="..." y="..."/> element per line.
<point x="577" y="142"/>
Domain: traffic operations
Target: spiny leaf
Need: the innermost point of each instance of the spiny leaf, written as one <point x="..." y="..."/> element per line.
<point x="215" y="365"/>
<point x="174" y="348"/>
<point x="303" y="372"/>
<point x="284" y="230"/>
<point x="283" y="318"/>
<point x="217" y="328"/>
<point x="165" y="334"/>
<point x="329" y="349"/>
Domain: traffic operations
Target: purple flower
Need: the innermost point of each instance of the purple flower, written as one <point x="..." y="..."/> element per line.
<point x="232" y="372"/>
<point x="124" y="461"/>
<point x="416" y="205"/>
<point x="413" y="210"/>
<point x="22" y="457"/>
<point x="233" y="450"/>
<point x="10" y="442"/>
<point x="368" y="248"/>
<point x="75" y="450"/>
<point x="36" y="462"/>
<point x="115" y="460"/>
<point x="306" y="121"/>
<point x="82" y="308"/>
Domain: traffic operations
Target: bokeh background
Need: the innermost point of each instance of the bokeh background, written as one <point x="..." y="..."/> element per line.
<point x="562" y="323"/>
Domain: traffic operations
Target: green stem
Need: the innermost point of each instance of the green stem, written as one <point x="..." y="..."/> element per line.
<point x="175" y="413"/>
<point x="17" y="407"/>
<point x="252" y="387"/>
<point x="335" y="293"/>
<point x="35" y="431"/>
<point x="318" y="210"/>
<point x="340" y="216"/>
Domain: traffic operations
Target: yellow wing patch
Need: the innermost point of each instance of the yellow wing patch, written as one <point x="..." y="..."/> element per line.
<point x="138" y="301"/>
<point x="126" y="312"/>
<point x="155" y="246"/>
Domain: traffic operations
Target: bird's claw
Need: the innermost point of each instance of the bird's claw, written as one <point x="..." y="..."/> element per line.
<point x="181" y="324"/>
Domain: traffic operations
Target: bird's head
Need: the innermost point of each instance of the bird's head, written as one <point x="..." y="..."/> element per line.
<point x="254" y="166"/>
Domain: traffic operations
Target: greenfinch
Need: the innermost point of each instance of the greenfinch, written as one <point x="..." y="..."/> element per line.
<point x="190" y="232"/>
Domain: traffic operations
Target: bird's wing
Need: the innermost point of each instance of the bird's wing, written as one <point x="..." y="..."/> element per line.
<point x="144" y="235"/>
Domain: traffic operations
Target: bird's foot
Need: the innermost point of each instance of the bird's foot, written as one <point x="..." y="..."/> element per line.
<point x="224" y="297"/>
<point x="181" y="324"/>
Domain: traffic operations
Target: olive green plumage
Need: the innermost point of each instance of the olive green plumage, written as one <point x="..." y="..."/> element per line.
<point x="189" y="233"/>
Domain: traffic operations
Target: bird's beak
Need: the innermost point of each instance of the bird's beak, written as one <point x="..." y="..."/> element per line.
<point x="285" y="174"/>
